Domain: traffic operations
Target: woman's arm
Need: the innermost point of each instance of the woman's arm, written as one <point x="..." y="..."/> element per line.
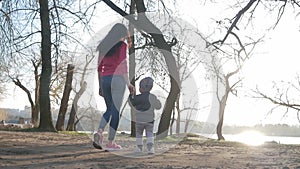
<point x="100" y="65"/>
<point x="99" y="80"/>
<point x="129" y="85"/>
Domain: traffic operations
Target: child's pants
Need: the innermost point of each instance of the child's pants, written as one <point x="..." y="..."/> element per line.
<point x="140" y="127"/>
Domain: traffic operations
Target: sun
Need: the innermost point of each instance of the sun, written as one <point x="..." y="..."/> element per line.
<point x="253" y="138"/>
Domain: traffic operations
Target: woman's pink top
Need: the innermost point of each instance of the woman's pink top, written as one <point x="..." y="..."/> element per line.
<point x="115" y="64"/>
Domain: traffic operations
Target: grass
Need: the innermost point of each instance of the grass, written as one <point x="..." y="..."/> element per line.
<point x="36" y="129"/>
<point x="73" y="133"/>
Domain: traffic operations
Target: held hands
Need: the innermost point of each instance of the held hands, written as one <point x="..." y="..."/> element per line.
<point x="131" y="89"/>
<point x="129" y="42"/>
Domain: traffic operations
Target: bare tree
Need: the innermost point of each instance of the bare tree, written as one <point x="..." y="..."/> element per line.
<point x="24" y="21"/>
<point x="283" y="97"/>
<point x="83" y="85"/>
<point x="188" y="59"/>
<point x="132" y="64"/>
<point x="72" y="119"/>
<point x="241" y="53"/>
<point x="3" y="116"/>
<point x="64" y="101"/>
<point x="234" y="44"/>
<point x="45" y="108"/>
<point x="2" y="82"/>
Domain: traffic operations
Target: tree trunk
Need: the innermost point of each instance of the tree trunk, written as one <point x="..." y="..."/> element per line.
<point x="21" y="86"/>
<point x="166" y="115"/>
<point x="186" y="126"/>
<point x="187" y="121"/>
<point x="172" y="121"/>
<point x="223" y="102"/>
<point x="64" y="101"/>
<point x="219" y="129"/>
<point x="132" y="65"/>
<point x="221" y="119"/>
<point x="71" y="123"/>
<point x="46" y="123"/>
<point x="222" y="106"/>
<point x="222" y="110"/>
<point x="178" y="115"/>
<point x="36" y="107"/>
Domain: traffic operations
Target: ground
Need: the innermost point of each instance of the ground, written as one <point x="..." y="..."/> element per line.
<point x="69" y="150"/>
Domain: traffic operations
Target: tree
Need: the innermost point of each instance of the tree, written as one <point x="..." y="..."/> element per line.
<point x="45" y="108"/>
<point x="64" y="101"/>
<point x="3" y="115"/>
<point x="72" y="119"/>
<point x="234" y="41"/>
<point x="83" y="86"/>
<point x="2" y="83"/>
<point x="283" y="97"/>
<point x="132" y="65"/>
<point x="188" y="57"/>
<point x="21" y="24"/>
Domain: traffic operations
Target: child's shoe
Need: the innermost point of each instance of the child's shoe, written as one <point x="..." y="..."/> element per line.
<point x="150" y="148"/>
<point x="151" y="151"/>
<point x="138" y="150"/>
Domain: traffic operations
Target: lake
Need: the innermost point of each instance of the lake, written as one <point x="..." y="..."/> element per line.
<point x="256" y="138"/>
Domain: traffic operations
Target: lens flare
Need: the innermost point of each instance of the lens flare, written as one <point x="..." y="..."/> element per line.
<point x="253" y="138"/>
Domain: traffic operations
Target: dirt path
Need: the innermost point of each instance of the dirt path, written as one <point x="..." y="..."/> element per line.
<point x="57" y="150"/>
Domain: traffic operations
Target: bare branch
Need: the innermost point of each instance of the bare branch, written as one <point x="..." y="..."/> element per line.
<point x="279" y="102"/>
<point x="237" y="18"/>
<point x="280" y="13"/>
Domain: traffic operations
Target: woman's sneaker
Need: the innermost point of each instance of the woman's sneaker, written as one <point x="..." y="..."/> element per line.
<point x="112" y="147"/>
<point x="98" y="140"/>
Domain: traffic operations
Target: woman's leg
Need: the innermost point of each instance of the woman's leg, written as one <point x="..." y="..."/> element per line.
<point x="106" y="92"/>
<point x="118" y="86"/>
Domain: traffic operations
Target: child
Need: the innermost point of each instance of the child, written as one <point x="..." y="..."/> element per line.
<point x="145" y="103"/>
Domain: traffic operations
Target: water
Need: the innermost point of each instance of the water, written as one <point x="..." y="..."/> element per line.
<point x="256" y="138"/>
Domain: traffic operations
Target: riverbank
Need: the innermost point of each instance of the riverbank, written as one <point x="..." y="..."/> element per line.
<point x="61" y="150"/>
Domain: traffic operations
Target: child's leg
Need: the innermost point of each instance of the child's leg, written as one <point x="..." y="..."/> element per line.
<point x="150" y="137"/>
<point x="139" y="128"/>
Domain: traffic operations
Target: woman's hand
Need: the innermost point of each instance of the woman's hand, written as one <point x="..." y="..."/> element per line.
<point x="100" y="91"/>
<point x="129" y="43"/>
<point x="131" y="89"/>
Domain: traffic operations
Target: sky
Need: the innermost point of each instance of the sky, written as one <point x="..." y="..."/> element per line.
<point x="277" y="59"/>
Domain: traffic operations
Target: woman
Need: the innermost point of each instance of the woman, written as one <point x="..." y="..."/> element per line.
<point x="113" y="78"/>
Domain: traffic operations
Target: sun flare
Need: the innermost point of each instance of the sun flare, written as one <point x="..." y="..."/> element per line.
<point x="253" y="138"/>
